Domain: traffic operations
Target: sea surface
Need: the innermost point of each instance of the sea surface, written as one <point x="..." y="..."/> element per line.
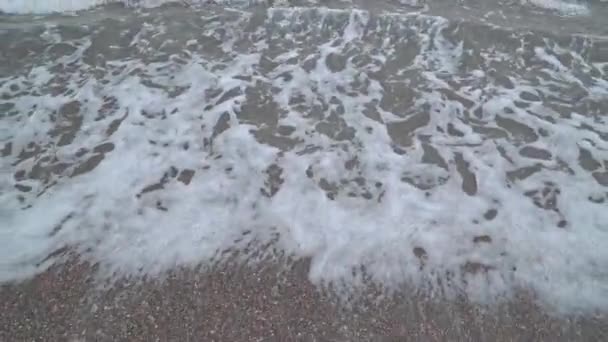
<point x="457" y="146"/>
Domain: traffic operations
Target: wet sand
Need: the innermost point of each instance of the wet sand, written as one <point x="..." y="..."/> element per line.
<point x="268" y="302"/>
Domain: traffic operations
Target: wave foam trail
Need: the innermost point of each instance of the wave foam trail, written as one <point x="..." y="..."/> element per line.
<point x="563" y="7"/>
<point x="572" y="8"/>
<point x="47" y="6"/>
<point x="407" y="146"/>
<point x="58" y="6"/>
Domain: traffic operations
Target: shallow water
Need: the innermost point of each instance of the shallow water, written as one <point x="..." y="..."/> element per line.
<point x="462" y="148"/>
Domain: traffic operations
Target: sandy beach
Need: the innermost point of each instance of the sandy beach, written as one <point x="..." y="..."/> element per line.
<point x="268" y="302"/>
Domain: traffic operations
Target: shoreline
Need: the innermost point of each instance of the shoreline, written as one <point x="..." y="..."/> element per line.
<point x="264" y="302"/>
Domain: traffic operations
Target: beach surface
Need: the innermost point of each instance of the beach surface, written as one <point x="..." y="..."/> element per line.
<point x="303" y="170"/>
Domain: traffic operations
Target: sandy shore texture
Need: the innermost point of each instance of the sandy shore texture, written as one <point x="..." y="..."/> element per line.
<point x="267" y="302"/>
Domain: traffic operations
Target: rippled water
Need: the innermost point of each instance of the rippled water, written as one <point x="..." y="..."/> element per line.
<point x="460" y="148"/>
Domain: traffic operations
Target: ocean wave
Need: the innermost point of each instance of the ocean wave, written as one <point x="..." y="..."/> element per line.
<point x="562" y="7"/>
<point x="445" y="154"/>
<point x="569" y="8"/>
<point x="58" y="6"/>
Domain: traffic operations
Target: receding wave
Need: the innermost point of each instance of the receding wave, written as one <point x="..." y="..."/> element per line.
<point x="397" y="148"/>
<point x="564" y="7"/>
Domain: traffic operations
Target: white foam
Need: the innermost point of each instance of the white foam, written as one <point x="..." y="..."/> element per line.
<point x="387" y="219"/>
<point x="564" y="7"/>
<point x="47" y="6"/>
<point x="57" y="6"/>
